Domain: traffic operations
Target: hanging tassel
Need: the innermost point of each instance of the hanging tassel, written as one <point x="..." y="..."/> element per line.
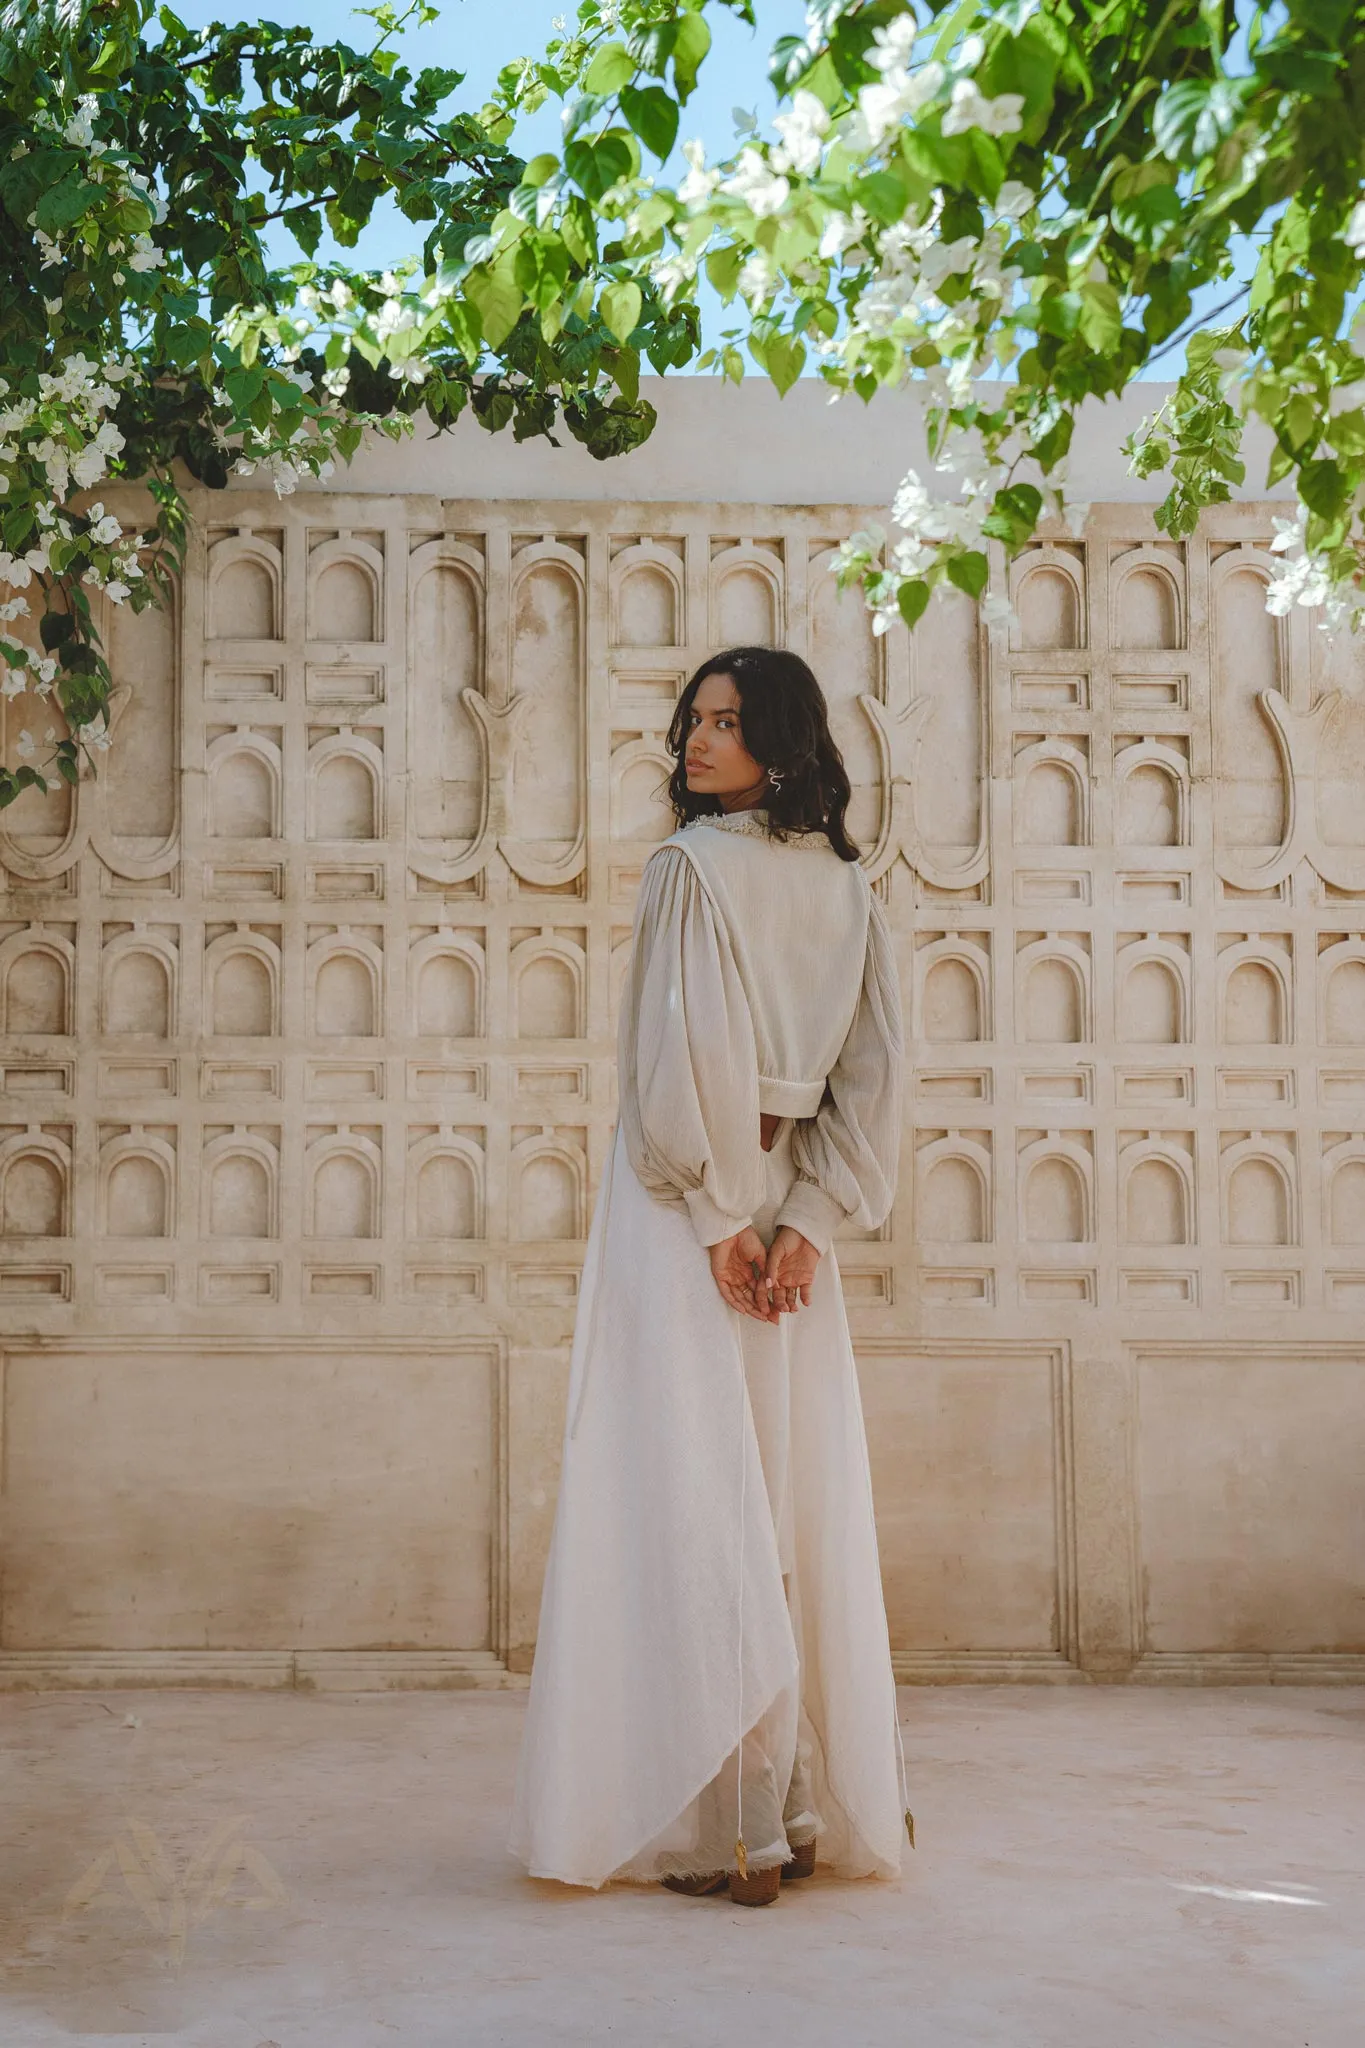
<point x="910" y="1826"/>
<point x="742" y="1860"/>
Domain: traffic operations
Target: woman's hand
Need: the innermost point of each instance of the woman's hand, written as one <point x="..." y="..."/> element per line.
<point x="790" y="1269"/>
<point x="737" y="1267"/>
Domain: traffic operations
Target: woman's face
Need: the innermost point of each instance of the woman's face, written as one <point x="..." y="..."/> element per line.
<point x="715" y="758"/>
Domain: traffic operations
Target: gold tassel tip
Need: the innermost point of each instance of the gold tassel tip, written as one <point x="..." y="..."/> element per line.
<point x="910" y="1826"/>
<point x="741" y="1859"/>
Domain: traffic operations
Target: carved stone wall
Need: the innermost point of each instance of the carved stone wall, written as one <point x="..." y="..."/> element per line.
<point x="308" y="1014"/>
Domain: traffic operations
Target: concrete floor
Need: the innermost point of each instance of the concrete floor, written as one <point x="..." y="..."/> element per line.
<point x="1096" y="1869"/>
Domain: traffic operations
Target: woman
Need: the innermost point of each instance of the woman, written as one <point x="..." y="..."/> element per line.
<point x="712" y="1699"/>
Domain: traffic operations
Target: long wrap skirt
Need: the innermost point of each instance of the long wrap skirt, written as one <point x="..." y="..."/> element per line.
<point x="712" y="1662"/>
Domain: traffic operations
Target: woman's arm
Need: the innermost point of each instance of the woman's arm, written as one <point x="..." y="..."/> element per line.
<point x="846" y="1154"/>
<point x="687" y="1063"/>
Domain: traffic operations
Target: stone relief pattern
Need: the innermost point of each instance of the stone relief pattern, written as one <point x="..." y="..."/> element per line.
<point x="314" y="997"/>
<point x="308" y="1003"/>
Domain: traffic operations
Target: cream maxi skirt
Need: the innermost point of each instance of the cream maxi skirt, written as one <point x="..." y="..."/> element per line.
<point x="712" y="1658"/>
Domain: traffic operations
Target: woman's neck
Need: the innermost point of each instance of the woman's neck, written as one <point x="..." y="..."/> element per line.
<point x="745" y="799"/>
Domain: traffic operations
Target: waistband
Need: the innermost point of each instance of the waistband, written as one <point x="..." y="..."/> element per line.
<point x="789" y="1098"/>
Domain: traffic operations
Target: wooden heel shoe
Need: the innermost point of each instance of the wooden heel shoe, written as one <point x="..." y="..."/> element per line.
<point x="698" y="1887"/>
<point x="802" y="1863"/>
<point x="759" y="1888"/>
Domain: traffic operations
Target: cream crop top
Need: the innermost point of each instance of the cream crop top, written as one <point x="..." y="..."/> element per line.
<point x="761" y="978"/>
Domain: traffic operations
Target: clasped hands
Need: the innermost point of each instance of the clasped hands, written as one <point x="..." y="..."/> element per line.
<point x="764" y="1282"/>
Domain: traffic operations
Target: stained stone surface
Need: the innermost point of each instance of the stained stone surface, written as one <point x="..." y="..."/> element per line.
<point x="306" y="1076"/>
<point x="1102" y="1864"/>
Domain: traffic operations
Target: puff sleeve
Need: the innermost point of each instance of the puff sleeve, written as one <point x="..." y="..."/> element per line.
<point x="686" y="1059"/>
<point x="846" y="1154"/>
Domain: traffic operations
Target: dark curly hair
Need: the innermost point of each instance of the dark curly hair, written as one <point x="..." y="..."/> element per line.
<point x="785" y="723"/>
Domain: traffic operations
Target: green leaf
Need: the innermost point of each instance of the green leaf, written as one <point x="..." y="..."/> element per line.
<point x="911" y="600"/>
<point x="65" y="203"/>
<point x="463" y="326"/>
<point x="541" y="269"/>
<point x="783" y="357"/>
<point x="611" y="68"/>
<point x="596" y="166"/>
<point x="56" y="627"/>
<point x="691" y="41"/>
<point x="578" y="232"/>
<point x="1014" y="514"/>
<point x="1192" y="118"/>
<point x="653" y="115"/>
<point x="723" y="267"/>
<point x="1323" y="488"/>
<point x="498" y="297"/>
<point x="1101" y="321"/>
<point x="969" y="572"/>
<point x="620" y="306"/>
<point x="883" y="195"/>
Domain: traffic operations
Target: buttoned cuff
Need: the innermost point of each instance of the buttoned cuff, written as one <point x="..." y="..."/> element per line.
<point x="811" y="1211"/>
<point x="710" y="1223"/>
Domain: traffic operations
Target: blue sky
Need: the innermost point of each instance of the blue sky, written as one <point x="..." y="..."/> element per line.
<point x="479" y="36"/>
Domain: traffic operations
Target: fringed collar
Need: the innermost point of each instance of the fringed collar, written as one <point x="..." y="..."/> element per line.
<point x="755" y="825"/>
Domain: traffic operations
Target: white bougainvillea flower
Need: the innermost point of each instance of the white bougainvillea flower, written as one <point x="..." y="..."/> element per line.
<point x="1354" y="235"/>
<point x="802" y="131"/>
<point x="1014" y="200"/>
<point x="884" y="107"/>
<point x="969" y="108"/>
<point x="760" y="188"/>
<point x="699" y="183"/>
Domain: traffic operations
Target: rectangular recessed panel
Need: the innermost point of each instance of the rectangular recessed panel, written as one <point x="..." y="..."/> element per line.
<point x="1037" y="885"/>
<point x="1261" y="1290"/>
<point x="571" y="1081"/>
<point x="345" y="682"/>
<point x="246" y="1499"/>
<point x="346" y="1283"/>
<point x="239" y="1283"/>
<point x="637" y="686"/>
<point x="1061" y="692"/>
<point x="427" y="1081"/>
<point x="959" y="1287"/>
<point x="1156" y="1084"/>
<point x="35" y="1283"/>
<point x="240" y="1077"/>
<point x="959" y="1575"/>
<point x="1342" y="1085"/>
<point x="946" y="1084"/>
<point x="1346" y="1290"/>
<point x="346" y="1078"/>
<point x="445" y="1283"/>
<point x="868" y="1289"/>
<point x="1077" y="1288"/>
<point x="227" y="878"/>
<point x="535" y="1284"/>
<point x="1250" y="1513"/>
<point x="1144" y="692"/>
<point x="38" y="1080"/>
<point x="135" y="1283"/>
<point x="1154" y="888"/>
<point x="1252" y="1085"/>
<point x="243" y="682"/>
<point x="364" y="883"/>
<point x="1158" y="1290"/>
<point x="137" y="1077"/>
<point x="1073" y="1085"/>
